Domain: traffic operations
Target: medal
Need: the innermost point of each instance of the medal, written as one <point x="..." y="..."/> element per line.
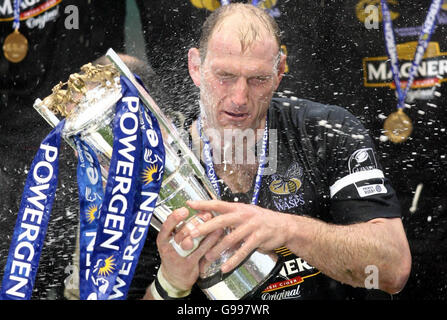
<point x="15" y="47"/>
<point x="398" y="126"/>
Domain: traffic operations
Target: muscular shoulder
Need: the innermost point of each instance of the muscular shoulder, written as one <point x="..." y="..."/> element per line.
<point x="345" y="158"/>
<point x="315" y="118"/>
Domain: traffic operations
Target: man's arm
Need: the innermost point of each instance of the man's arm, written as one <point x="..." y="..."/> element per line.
<point x="342" y="252"/>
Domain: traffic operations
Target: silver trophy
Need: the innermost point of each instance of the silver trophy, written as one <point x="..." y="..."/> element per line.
<point x="88" y="107"/>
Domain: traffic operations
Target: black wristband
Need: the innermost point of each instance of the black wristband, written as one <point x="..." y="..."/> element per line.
<point x="162" y="292"/>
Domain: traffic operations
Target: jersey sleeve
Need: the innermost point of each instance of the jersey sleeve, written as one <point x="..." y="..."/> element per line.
<point x="359" y="190"/>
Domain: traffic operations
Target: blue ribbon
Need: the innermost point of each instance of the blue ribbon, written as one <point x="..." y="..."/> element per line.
<point x="424" y="39"/>
<point x="16" y="22"/>
<point x="208" y="159"/>
<point x="273" y="11"/>
<point x="129" y="199"/>
<point x="32" y="220"/>
<point x="91" y="195"/>
<point x="153" y="158"/>
<point x="262" y="160"/>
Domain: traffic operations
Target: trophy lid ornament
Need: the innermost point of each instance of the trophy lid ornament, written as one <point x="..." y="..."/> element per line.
<point x="70" y="93"/>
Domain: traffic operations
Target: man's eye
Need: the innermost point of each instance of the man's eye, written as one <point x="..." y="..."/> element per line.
<point x="225" y="76"/>
<point x="259" y="79"/>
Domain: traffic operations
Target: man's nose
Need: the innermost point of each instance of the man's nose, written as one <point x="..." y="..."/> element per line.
<point x="239" y="95"/>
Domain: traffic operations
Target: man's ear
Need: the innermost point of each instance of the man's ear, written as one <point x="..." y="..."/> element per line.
<point x="281" y="66"/>
<point x="194" y="65"/>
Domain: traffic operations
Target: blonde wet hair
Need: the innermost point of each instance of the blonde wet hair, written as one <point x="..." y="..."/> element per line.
<point x="252" y="25"/>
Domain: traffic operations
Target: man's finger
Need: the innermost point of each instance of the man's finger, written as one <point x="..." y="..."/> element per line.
<point x="216" y="223"/>
<point x="231" y="240"/>
<point x="243" y="252"/>
<point x="168" y="227"/>
<point x="185" y="230"/>
<point x="217" y="206"/>
<point x="207" y="243"/>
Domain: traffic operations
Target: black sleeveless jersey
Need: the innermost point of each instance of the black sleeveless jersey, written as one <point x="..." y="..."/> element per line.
<point x="322" y="164"/>
<point x="326" y="167"/>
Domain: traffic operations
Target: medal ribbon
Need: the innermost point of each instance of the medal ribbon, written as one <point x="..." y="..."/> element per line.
<point x="211" y="173"/>
<point x="273" y="11"/>
<point x="208" y="158"/>
<point x="226" y="2"/>
<point x="424" y="39"/>
<point x="32" y="220"/>
<point x="16" y="22"/>
<point x="128" y="202"/>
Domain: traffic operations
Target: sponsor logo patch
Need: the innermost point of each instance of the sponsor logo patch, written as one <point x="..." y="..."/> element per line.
<point x="431" y="71"/>
<point x="364" y="160"/>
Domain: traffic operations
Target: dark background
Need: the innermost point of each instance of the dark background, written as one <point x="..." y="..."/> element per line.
<point x="173" y="27"/>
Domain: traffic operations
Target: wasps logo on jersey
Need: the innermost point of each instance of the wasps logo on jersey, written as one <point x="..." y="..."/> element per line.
<point x="286" y="188"/>
<point x="289" y="183"/>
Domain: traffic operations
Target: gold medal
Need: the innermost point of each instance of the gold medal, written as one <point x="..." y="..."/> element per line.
<point x="398" y="126"/>
<point x="15" y="47"/>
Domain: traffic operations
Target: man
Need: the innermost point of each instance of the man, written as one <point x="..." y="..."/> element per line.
<point x="330" y="239"/>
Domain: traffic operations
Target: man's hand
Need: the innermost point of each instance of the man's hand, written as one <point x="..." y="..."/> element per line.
<point x="254" y="227"/>
<point x="339" y="251"/>
<point x="182" y="272"/>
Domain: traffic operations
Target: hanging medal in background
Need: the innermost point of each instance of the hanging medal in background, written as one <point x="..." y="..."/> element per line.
<point x="15" y="46"/>
<point x="398" y="126"/>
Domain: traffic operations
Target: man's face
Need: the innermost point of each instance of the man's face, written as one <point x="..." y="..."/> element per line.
<point x="236" y="87"/>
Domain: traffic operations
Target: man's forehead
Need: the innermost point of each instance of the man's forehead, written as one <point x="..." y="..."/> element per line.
<point x="225" y="42"/>
<point x="246" y="65"/>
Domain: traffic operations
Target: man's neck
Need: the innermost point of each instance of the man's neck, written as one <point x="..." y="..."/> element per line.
<point x="236" y="163"/>
<point x="238" y="177"/>
<point x="234" y="145"/>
